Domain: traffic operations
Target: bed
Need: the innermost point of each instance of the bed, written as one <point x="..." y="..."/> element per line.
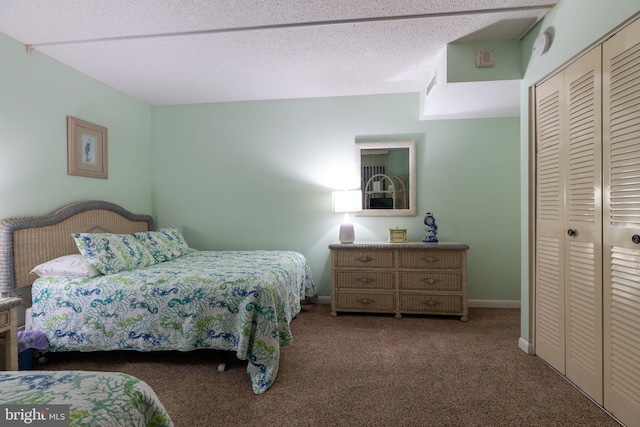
<point x="94" y="399"/>
<point x="239" y="301"/>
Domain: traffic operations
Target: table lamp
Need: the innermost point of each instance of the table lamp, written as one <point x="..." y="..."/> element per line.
<point x="347" y="201"/>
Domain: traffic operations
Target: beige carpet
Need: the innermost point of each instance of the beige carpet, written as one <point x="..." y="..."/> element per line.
<point x="366" y="370"/>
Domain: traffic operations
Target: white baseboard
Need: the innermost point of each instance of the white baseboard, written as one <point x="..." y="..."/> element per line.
<point x="525" y="346"/>
<point x="481" y="303"/>
<point x="488" y="303"/>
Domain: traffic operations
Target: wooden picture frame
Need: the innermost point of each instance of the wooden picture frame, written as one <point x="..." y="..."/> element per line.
<point x="86" y="148"/>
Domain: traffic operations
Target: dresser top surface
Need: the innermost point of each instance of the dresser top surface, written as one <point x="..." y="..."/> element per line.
<point x="447" y="246"/>
<point x="9" y="302"/>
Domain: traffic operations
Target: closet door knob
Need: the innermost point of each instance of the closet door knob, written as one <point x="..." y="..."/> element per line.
<point x="571" y="232"/>
<point x="635" y="239"/>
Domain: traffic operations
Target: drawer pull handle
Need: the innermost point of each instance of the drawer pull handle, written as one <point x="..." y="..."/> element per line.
<point x="431" y="303"/>
<point x="364" y="259"/>
<point x="365" y="301"/>
<point x="430" y="258"/>
<point x="430" y="281"/>
<point x="365" y="279"/>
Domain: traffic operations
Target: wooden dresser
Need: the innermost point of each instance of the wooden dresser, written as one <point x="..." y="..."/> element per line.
<point x="419" y="278"/>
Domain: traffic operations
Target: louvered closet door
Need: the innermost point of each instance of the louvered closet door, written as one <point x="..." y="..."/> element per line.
<point x="550" y="229"/>
<point x="583" y="222"/>
<point x="621" y="222"/>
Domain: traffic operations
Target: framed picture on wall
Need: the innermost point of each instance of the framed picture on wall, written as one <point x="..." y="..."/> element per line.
<point x="86" y="148"/>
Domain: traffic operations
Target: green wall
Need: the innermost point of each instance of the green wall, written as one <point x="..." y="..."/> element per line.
<point x="259" y="175"/>
<point x="461" y="67"/>
<point x="36" y="95"/>
<point x="575" y="25"/>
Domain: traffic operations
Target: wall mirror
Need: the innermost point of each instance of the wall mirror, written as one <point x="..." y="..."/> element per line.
<point x="387" y="173"/>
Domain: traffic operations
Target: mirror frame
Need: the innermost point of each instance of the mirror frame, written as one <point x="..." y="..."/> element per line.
<point x="411" y="145"/>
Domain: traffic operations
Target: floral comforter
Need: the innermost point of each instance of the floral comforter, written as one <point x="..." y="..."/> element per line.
<point x="95" y="399"/>
<point x="241" y="301"/>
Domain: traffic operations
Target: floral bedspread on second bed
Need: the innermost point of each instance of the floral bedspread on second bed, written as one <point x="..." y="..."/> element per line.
<point x="95" y="399"/>
<point x="241" y="301"/>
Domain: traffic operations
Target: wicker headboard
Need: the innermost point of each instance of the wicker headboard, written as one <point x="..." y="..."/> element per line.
<point x="27" y="242"/>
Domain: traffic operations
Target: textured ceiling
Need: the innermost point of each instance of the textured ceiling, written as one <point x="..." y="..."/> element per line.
<point x="166" y="52"/>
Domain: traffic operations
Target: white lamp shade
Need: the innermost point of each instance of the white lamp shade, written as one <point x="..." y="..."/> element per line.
<point x="347" y="201"/>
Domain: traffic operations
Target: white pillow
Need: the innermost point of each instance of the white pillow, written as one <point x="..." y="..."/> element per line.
<point x="66" y="266"/>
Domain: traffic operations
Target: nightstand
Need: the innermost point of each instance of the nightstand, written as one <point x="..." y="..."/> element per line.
<point x="9" y="331"/>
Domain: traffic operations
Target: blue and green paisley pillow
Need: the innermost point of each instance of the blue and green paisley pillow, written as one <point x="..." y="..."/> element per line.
<point x="165" y="244"/>
<point x="111" y="253"/>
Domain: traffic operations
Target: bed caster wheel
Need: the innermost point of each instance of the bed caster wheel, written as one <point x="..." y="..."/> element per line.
<point x="222" y="367"/>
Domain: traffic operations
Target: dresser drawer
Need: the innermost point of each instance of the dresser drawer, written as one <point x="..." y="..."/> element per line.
<point x="431" y="281"/>
<point x="364" y="279"/>
<point x="430" y="259"/>
<point x="364" y="259"/>
<point x="420" y="303"/>
<point x="365" y="301"/>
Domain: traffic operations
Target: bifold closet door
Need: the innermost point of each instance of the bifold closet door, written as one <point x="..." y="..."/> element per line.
<point x="550" y="202"/>
<point x="621" y="225"/>
<point x="569" y="223"/>
<point x="583" y="223"/>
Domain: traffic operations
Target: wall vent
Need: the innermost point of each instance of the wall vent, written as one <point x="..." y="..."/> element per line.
<point x="485" y="58"/>
<point x="431" y="84"/>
